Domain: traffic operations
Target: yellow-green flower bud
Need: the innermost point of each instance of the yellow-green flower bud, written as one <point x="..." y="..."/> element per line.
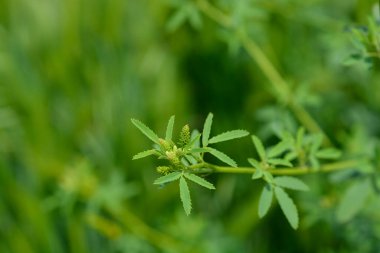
<point x="172" y="157"/>
<point x="165" y="144"/>
<point x="164" y="170"/>
<point x="184" y="137"/>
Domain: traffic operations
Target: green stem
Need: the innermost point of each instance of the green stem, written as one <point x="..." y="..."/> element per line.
<point x="211" y="168"/>
<point x="279" y="84"/>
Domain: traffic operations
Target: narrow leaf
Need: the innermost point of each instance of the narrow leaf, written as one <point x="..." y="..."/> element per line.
<point x="193" y="142"/>
<point x="278" y="161"/>
<point x="169" y="129"/>
<point x="226" y="136"/>
<point x="255" y="163"/>
<point x="168" y="178"/>
<point x="185" y="195"/>
<point x="291" y="183"/>
<point x="200" y="181"/>
<point x="353" y="200"/>
<point x="145" y="130"/>
<point x="328" y="153"/>
<point x="145" y="154"/>
<point x="207" y="129"/>
<point x="300" y="136"/>
<point x="265" y="200"/>
<point x="259" y="147"/>
<point x="287" y="206"/>
<point x="278" y="149"/>
<point x="221" y="156"/>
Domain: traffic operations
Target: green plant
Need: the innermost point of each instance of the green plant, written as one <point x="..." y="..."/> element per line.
<point x="277" y="165"/>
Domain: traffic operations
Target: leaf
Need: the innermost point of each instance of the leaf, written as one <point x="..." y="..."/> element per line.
<point x="328" y="153"/>
<point x="168" y="178"/>
<point x="316" y="142"/>
<point x="255" y="163"/>
<point x="299" y="138"/>
<point x="278" y="161"/>
<point x="145" y="154"/>
<point x="146" y="130"/>
<point x="221" y="156"/>
<point x="265" y="200"/>
<point x="353" y="200"/>
<point x="200" y="181"/>
<point x="287" y="206"/>
<point x="193" y="142"/>
<point x="185" y="195"/>
<point x="278" y="149"/>
<point x="177" y="19"/>
<point x="169" y="129"/>
<point x="259" y="147"/>
<point x="234" y="134"/>
<point x="291" y="183"/>
<point x="207" y="129"/>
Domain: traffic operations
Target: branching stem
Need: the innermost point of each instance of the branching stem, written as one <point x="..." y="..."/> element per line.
<point x="211" y="168"/>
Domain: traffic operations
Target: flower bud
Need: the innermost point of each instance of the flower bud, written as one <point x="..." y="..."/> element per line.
<point x="164" y="170"/>
<point x="184" y="137"/>
<point x="165" y="144"/>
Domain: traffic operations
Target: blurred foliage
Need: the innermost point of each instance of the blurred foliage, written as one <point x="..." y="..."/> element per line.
<point x="73" y="73"/>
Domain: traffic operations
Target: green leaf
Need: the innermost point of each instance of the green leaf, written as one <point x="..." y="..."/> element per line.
<point x="221" y="156"/>
<point x="199" y="150"/>
<point x="259" y="147"/>
<point x="278" y="149"/>
<point x="185" y="195"/>
<point x="177" y="19"/>
<point x="291" y="183"/>
<point x="193" y="142"/>
<point x="353" y="200"/>
<point x="278" y="161"/>
<point x="169" y="129"/>
<point x="258" y="174"/>
<point x="207" y="129"/>
<point x="146" y="130"/>
<point x="234" y="134"/>
<point x="145" y="154"/>
<point x="168" y="178"/>
<point x="287" y="206"/>
<point x="255" y="163"/>
<point x="200" y="181"/>
<point x="316" y="140"/>
<point x="328" y="153"/>
<point x="265" y="200"/>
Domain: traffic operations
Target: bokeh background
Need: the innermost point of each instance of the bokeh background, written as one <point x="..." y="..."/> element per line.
<point x="73" y="73"/>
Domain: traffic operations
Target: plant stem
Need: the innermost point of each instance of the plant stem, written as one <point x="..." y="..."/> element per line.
<point x="211" y="168"/>
<point x="279" y="84"/>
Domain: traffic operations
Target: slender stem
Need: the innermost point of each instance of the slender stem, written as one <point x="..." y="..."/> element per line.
<point x="211" y="168"/>
<point x="277" y="81"/>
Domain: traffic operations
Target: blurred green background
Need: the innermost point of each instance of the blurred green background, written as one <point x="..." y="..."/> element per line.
<point x="73" y="73"/>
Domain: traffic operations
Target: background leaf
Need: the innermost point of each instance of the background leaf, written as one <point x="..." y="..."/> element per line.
<point x="353" y="200"/>
<point x="287" y="206"/>
<point x="234" y="134"/>
<point x="185" y="195"/>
